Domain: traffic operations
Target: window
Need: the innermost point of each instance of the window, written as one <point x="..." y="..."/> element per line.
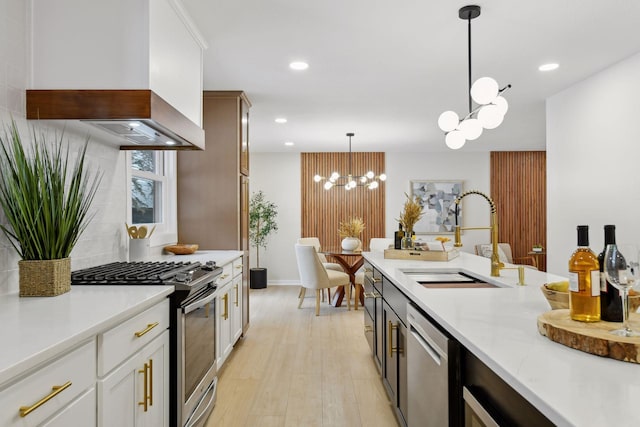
<point x="152" y="187"/>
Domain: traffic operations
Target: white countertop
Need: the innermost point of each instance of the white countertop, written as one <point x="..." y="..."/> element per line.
<point x="33" y="330"/>
<point x="499" y="325"/>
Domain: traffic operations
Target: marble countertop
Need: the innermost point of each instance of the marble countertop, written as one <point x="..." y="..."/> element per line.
<point x="35" y="329"/>
<point x="499" y="325"/>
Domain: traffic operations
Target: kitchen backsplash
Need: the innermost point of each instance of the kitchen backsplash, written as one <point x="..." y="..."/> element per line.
<point x="104" y="239"/>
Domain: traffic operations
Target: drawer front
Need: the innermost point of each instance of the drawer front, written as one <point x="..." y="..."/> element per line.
<point x="226" y="276"/>
<point x="119" y="343"/>
<point x="396" y="300"/>
<point x="377" y="280"/>
<point x="53" y="386"/>
<point x="368" y="330"/>
<point x="81" y="413"/>
<point x="236" y="266"/>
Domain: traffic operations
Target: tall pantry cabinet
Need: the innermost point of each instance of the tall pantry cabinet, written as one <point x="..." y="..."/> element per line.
<point x="213" y="185"/>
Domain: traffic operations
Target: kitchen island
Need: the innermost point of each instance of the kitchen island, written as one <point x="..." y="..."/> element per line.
<point x="499" y="327"/>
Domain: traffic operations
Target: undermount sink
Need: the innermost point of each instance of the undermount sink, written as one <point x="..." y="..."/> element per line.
<point x="446" y="279"/>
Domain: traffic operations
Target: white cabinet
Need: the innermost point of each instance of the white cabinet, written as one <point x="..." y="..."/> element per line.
<point x="236" y="305"/>
<point x="61" y="387"/>
<point x="133" y="366"/>
<point x="119" y="44"/>
<point x="136" y="393"/>
<point x="229" y="309"/>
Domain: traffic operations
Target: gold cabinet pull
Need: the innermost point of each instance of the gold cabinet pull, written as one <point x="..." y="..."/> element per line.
<point x="238" y="266"/>
<point x="376" y="280"/>
<point x="368" y="328"/>
<point x="149" y="327"/>
<point x="236" y="288"/>
<point x="224" y="276"/>
<point x="225" y="315"/>
<point x="150" y="382"/>
<point x="390" y="338"/>
<point x="55" y="390"/>
<point x="147" y="372"/>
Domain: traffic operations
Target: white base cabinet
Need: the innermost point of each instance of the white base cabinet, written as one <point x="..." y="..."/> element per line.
<point x="229" y="309"/>
<point x="119" y="377"/>
<point x="136" y="393"/>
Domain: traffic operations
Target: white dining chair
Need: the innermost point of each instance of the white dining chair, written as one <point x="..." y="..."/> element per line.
<point x="313" y="275"/>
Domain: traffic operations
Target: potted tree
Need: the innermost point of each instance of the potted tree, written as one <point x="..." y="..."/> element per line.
<point x="45" y="199"/>
<point x="262" y="222"/>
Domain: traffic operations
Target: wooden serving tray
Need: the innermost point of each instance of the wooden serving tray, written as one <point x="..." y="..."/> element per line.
<point x="593" y="337"/>
<point x="421" y="255"/>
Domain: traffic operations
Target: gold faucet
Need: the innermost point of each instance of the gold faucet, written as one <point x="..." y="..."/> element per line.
<point x="496" y="265"/>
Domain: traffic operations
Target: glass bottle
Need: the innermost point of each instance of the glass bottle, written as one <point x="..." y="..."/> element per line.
<point x="584" y="280"/>
<point x="610" y="301"/>
<point x="397" y="241"/>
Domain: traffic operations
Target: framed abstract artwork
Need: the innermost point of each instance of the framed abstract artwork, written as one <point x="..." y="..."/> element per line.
<point x="437" y="201"/>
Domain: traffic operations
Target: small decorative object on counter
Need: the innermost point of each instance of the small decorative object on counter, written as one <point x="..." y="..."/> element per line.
<point x="610" y="301"/>
<point x="411" y="214"/>
<point x="46" y="199"/>
<point x="584" y="280"/>
<point x="350" y="231"/>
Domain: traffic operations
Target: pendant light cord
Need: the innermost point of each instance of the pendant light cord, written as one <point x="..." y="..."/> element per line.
<point x="469" y="59"/>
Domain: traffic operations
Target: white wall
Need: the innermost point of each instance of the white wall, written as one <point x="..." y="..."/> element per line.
<point x="104" y="240"/>
<point x="593" y="161"/>
<point x="278" y="175"/>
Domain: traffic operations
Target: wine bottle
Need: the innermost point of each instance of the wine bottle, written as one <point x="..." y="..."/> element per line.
<point x="610" y="301"/>
<point x="397" y="241"/>
<point x="584" y="280"/>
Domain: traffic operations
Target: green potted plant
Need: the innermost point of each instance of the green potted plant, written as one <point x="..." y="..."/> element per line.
<point x="45" y="200"/>
<point x="262" y="222"/>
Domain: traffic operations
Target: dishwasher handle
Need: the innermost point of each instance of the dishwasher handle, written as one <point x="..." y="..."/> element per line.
<point x="427" y="344"/>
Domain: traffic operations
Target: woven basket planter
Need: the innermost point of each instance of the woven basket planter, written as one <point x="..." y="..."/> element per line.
<point x="44" y="278"/>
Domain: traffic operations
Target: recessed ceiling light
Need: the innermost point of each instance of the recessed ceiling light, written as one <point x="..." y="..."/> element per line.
<point x="298" y="65"/>
<point x="281" y="120"/>
<point x="548" y="67"/>
<point x="288" y="143"/>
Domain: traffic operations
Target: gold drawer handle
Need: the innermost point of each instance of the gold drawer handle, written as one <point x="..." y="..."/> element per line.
<point x="367" y="270"/>
<point x="390" y="339"/>
<point x="55" y="390"/>
<point x="149" y="327"/>
<point x="369" y="295"/>
<point x="368" y="328"/>
<point x="376" y="280"/>
<point x="225" y="315"/>
<point x="224" y="276"/>
<point x="238" y="266"/>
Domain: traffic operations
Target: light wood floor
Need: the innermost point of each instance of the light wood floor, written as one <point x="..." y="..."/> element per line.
<point x="295" y="369"/>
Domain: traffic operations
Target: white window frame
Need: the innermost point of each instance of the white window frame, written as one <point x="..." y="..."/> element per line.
<point x="166" y="232"/>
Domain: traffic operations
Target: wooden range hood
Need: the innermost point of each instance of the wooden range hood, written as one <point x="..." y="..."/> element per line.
<point x="139" y="119"/>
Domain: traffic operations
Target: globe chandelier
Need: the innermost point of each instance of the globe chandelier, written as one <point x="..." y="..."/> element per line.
<point x="491" y="105"/>
<point x="349" y="181"/>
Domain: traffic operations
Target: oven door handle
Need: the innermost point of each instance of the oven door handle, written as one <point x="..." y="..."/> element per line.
<point x="202" y="301"/>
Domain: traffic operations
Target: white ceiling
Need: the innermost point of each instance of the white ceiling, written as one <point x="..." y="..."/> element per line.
<point x="387" y="69"/>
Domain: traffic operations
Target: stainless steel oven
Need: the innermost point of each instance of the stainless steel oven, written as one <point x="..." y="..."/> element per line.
<point x="197" y="368"/>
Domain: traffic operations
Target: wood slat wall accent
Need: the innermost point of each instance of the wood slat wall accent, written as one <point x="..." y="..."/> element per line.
<point x="518" y="186"/>
<point x="323" y="210"/>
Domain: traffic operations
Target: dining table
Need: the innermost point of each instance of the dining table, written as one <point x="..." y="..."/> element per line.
<point x="350" y="261"/>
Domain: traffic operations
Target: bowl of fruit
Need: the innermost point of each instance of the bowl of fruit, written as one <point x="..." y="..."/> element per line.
<point x="557" y="295"/>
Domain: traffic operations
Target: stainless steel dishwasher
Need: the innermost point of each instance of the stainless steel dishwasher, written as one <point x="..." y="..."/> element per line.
<point x="432" y="374"/>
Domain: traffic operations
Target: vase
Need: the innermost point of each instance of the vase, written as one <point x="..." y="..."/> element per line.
<point x="407" y="241"/>
<point x="44" y="278"/>
<point x="350" y="244"/>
